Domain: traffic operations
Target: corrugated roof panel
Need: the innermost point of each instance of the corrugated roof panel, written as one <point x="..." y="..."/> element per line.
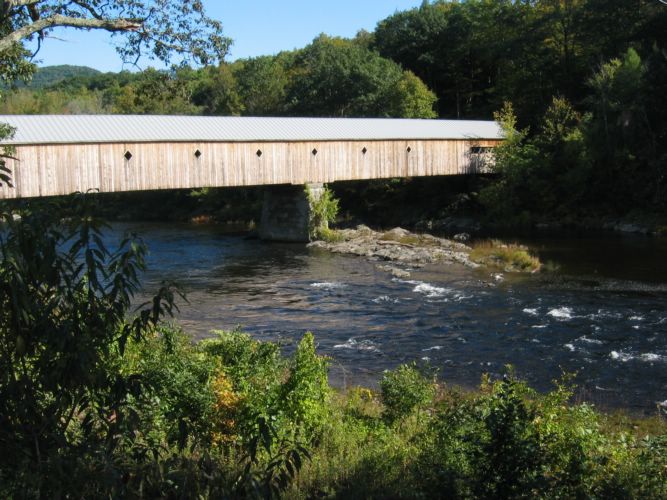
<point x="53" y="129"/>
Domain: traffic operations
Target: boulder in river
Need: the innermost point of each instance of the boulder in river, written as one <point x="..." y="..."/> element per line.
<point x="398" y="245"/>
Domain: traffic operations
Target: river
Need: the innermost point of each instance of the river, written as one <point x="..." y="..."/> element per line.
<point x="601" y="314"/>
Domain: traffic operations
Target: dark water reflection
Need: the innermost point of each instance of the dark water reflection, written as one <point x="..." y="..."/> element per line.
<point x="603" y="315"/>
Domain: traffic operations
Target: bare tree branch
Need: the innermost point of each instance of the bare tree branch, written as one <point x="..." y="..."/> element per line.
<point x="157" y="29"/>
<point x="74" y="22"/>
<point x="88" y="7"/>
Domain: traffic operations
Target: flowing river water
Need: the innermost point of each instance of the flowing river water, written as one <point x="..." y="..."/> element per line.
<point x="601" y="314"/>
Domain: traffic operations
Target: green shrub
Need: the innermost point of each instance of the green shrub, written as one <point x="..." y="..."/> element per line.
<point x="404" y="390"/>
<point x="323" y="211"/>
<point x="546" y="173"/>
<point x="274" y="408"/>
<point x="254" y="371"/>
<point x="486" y="446"/>
<point x="652" y="467"/>
<point x="65" y="407"/>
<point x="509" y="442"/>
<point x="245" y="360"/>
<point x="178" y="375"/>
<point x="305" y="394"/>
<point x="329" y="235"/>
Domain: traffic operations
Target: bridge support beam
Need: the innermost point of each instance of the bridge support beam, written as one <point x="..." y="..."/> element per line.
<point x="286" y="212"/>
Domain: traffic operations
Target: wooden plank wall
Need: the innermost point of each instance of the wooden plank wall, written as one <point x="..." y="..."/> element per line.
<point x="56" y="169"/>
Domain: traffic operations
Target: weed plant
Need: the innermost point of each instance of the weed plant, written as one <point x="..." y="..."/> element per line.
<point x="509" y="257"/>
<point x="323" y="211"/>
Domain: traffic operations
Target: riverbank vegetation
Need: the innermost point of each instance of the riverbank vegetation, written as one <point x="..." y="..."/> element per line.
<point x="586" y="81"/>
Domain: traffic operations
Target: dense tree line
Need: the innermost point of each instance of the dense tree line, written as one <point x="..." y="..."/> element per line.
<point x="586" y="80"/>
<point x="477" y="54"/>
<point x="329" y="77"/>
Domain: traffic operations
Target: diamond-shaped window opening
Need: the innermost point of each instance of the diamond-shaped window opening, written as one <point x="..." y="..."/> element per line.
<point x="314" y="151"/>
<point x="364" y="151"/>
<point x="127" y="155"/>
<point x="409" y="150"/>
<point x="197" y="154"/>
<point x="259" y="153"/>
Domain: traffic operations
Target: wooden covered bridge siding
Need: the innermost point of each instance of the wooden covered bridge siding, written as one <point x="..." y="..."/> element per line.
<point x="58" y="169"/>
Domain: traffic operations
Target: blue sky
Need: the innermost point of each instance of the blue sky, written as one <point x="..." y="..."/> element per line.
<point x="257" y="27"/>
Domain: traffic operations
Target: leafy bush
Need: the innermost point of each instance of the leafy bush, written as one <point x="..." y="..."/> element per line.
<point x="323" y="211"/>
<point x="229" y="396"/>
<point x="243" y="359"/>
<point x="64" y="302"/>
<point x="274" y="409"/>
<point x="305" y="394"/>
<point x="485" y="446"/>
<point x="510" y="442"/>
<point x="181" y="394"/>
<point x="652" y="467"/>
<point x="404" y="390"/>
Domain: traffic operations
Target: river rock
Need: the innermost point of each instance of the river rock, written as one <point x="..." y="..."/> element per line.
<point x="397" y="233"/>
<point x="395" y="271"/>
<point x="398" y="245"/>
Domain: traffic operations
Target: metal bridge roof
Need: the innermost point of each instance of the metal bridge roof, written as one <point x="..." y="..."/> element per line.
<point x="75" y="129"/>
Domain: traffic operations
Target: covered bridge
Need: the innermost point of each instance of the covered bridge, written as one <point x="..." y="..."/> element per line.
<point x="58" y="154"/>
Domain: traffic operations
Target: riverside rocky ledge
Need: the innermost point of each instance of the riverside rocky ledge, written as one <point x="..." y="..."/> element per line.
<point x="398" y="245"/>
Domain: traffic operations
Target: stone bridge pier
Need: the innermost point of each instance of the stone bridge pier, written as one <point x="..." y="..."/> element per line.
<point x="286" y="212"/>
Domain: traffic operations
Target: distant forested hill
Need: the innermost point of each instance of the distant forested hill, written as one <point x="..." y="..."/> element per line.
<point x="50" y="75"/>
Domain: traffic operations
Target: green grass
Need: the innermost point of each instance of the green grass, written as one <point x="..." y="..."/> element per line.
<point x="329" y="235"/>
<point x="509" y="257"/>
<point x="619" y="421"/>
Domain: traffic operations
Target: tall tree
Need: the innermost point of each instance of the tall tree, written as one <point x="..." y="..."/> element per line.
<point x="338" y="77"/>
<point x="456" y="48"/>
<point x="160" y="93"/>
<point x="217" y="92"/>
<point x="262" y="84"/>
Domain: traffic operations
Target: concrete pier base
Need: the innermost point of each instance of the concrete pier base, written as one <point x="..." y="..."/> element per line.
<point x="286" y="212"/>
